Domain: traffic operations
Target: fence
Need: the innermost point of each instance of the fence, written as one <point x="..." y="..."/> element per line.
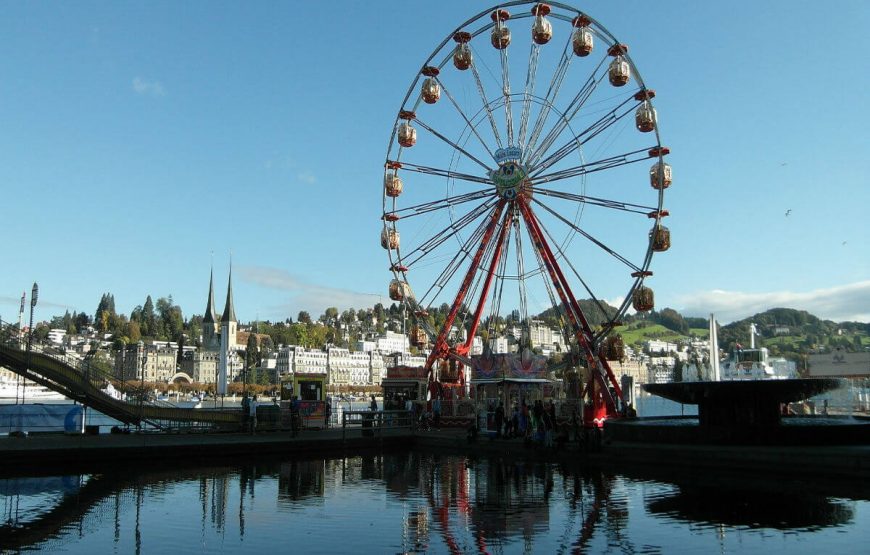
<point x="366" y="423"/>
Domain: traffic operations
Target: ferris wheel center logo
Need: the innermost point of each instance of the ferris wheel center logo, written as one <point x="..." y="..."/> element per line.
<point x="508" y="179"/>
<point x="503" y="155"/>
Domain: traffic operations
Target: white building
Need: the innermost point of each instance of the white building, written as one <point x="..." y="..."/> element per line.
<point x="499" y="345"/>
<point x="392" y="342"/>
<point x="545" y="337"/>
<point x="347" y="368"/>
<point x="476" y="346"/>
<point x="299" y="360"/>
<point x="655" y="346"/>
<point x="56" y="336"/>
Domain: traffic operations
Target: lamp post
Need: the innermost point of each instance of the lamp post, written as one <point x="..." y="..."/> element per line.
<point x="142" y="381"/>
<point x="34" y="296"/>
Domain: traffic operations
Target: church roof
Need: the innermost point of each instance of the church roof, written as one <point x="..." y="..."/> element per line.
<point x="229" y="311"/>
<point x="210" y="314"/>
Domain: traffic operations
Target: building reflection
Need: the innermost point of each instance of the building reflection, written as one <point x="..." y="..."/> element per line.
<point x="300" y="480"/>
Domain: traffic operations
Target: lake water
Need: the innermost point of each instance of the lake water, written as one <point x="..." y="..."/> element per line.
<point x="424" y="503"/>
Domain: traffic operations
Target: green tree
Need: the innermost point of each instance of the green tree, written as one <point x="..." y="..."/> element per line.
<point x="317" y="336"/>
<point x="330" y="316"/>
<point x="251" y="358"/>
<point x="133" y="333"/>
<point x="303" y="317"/>
<point x="298" y="334"/>
<point x="149" y="319"/>
<point x="171" y="321"/>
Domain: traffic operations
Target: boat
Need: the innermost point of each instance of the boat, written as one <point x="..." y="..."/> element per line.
<point x="742" y="364"/>
<point x="752" y="364"/>
<point x="11" y="389"/>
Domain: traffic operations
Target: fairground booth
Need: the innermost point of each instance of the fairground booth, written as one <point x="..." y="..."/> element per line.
<point x="403" y="383"/>
<point x="310" y="390"/>
<point x="511" y="379"/>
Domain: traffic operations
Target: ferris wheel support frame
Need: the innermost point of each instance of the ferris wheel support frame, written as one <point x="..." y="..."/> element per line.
<point x="598" y="366"/>
<point x="441" y="350"/>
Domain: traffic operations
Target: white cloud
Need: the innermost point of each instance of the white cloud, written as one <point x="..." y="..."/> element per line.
<point x="149" y="88"/>
<point x="841" y="304"/>
<point x="306" y="177"/>
<point x="314" y="298"/>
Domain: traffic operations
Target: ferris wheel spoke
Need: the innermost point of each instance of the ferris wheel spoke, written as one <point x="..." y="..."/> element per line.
<point x="419" y="252"/>
<point x="446" y="173"/>
<point x="453" y="265"/>
<point x="467" y="154"/>
<point x="592" y="167"/>
<point x="485" y="102"/>
<point x="468" y="122"/>
<point x="521" y="270"/>
<point x="567" y="259"/>
<point x="588" y="236"/>
<point x="578" y="321"/>
<point x="426" y="207"/>
<point x="552" y="93"/>
<point x="602" y="124"/>
<point x="606" y="203"/>
<point x="573" y="108"/>
<point x="531" y="75"/>
<point x="506" y="93"/>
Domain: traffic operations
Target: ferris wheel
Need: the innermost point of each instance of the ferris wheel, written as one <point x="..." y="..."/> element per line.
<point x="525" y="179"/>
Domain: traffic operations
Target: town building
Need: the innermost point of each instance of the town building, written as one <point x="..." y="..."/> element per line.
<point x="56" y="336"/>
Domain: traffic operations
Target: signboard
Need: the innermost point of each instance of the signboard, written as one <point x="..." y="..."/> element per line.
<point x="509" y="366"/>
<point x="407" y="372"/>
<point x="312" y="410"/>
<point x="840" y="363"/>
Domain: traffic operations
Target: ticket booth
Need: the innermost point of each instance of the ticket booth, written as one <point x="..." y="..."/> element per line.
<point x="310" y="391"/>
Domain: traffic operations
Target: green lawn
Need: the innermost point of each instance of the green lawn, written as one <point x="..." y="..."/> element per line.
<point x="639" y="332"/>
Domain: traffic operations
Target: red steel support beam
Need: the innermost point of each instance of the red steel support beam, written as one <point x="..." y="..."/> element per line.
<point x="575" y="314"/>
<point x="481" y="302"/>
<point x="440" y="348"/>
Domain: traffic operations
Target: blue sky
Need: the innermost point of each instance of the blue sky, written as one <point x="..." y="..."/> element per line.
<point x="143" y="141"/>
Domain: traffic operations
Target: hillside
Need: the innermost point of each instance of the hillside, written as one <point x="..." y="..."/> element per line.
<point x="784" y="331"/>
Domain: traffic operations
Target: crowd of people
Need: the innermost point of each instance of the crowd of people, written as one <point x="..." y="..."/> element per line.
<point x="536" y="423"/>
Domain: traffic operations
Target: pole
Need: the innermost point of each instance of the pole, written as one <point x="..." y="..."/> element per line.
<point x="142" y="382"/>
<point x="34" y="296"/>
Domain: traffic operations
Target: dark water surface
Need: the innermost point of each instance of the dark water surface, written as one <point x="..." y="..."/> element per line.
<point x="424" y="503"/>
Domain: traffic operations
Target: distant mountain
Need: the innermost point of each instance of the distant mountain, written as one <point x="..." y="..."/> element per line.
<point x="595" y="313"/>
<point x="805" y="331"/>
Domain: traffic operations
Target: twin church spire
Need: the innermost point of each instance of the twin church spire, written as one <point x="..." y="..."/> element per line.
<point x="212" y="328"/>
<point x="229" y="314"/>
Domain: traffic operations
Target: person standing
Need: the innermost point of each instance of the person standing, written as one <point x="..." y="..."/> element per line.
<point x="436" y="411"/>
<point x="246" y="413"/>
<point x="295" y="417"/>
<point x="499" y="419"/>
<point x="252" y="414"/>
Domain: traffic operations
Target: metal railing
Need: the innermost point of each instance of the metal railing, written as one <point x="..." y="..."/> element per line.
<point x="367" y="423"/>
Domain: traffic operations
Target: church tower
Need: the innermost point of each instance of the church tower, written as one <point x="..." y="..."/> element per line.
<point x="229" y="327"/>
<point x="210" y="338"/>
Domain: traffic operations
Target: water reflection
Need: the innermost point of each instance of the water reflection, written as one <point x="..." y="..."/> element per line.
<point x="746" y="508"/>
<point x="402" y="502"/>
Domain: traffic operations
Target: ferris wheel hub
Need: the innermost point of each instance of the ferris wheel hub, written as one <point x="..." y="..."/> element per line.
<point x="511" y="178"/>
